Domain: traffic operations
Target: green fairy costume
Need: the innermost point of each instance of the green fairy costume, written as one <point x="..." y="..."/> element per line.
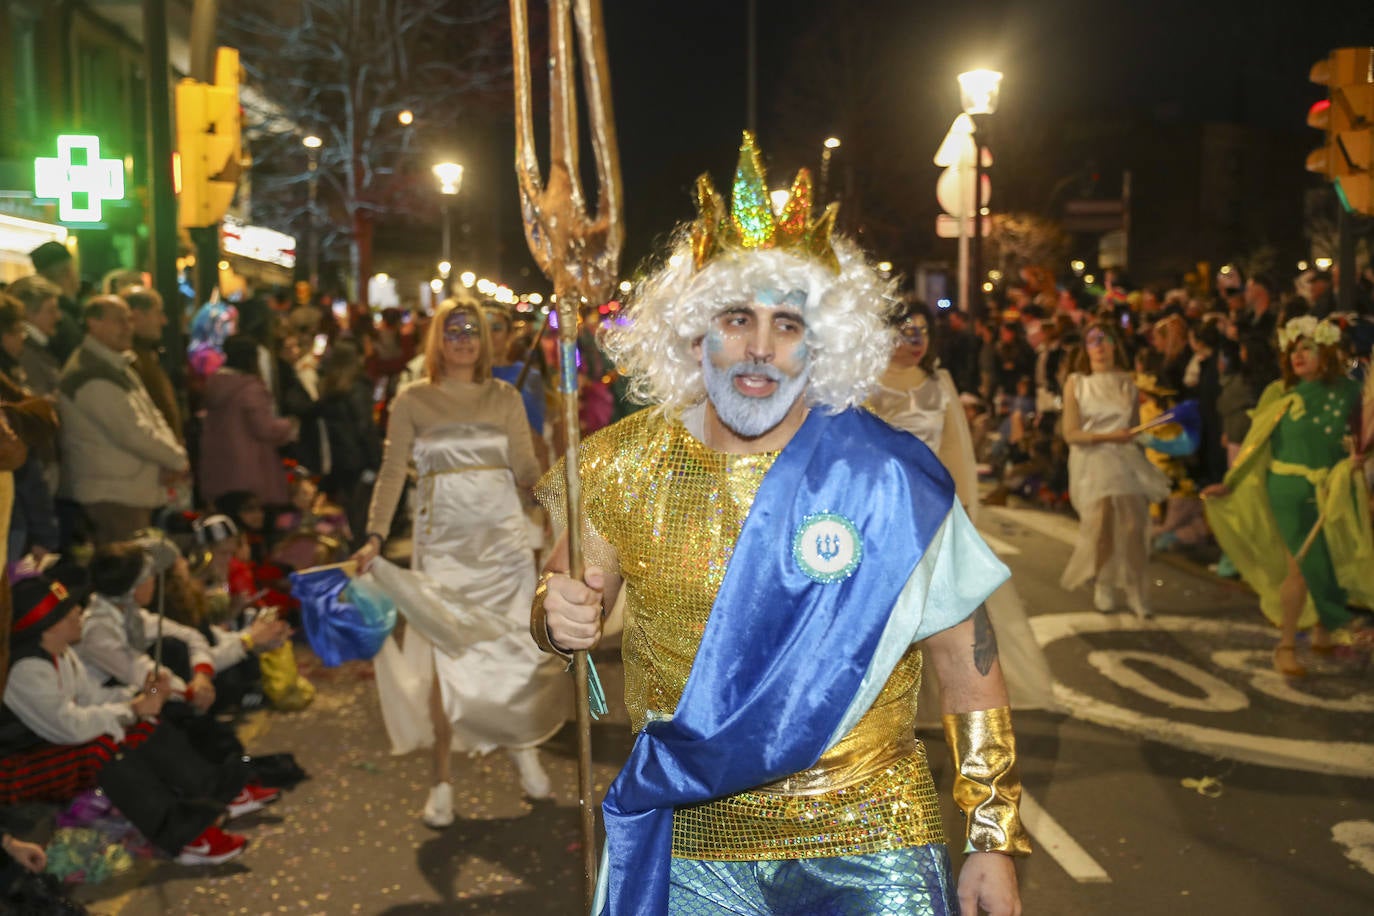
<point x="1292" y="469"/>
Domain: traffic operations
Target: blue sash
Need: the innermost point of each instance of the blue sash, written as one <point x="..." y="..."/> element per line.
<point x="783" y="655"/>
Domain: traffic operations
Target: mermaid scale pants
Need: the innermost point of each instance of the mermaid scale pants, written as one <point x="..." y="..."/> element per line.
<point x="900" y="882"/>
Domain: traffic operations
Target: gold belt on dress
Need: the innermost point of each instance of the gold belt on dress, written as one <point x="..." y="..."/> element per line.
<point x="1315" y="476"/>
<point x="465" y="469"/>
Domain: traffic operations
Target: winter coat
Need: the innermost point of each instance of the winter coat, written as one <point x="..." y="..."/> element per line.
<point x="115" y="442"/>
<point x="148" y="366"/>
<point x="40" y="366"/>
<point x="239" y="439"/>
<point x="355" y="443"/>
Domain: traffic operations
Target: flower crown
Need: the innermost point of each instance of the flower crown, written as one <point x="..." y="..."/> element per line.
<point x="750" y="223"/>
<point x="1324" y="333"/>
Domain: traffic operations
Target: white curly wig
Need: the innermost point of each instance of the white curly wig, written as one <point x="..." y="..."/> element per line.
<point x="672" y="308"/>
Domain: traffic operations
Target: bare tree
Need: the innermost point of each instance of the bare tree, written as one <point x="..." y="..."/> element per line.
<point x="345" y="70"/>
<point x="1027" y="240"/>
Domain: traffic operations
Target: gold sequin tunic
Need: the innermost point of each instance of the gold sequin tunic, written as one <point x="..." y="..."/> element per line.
<point x="666" y="510"/>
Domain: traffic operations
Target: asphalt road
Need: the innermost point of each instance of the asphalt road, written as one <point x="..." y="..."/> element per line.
<point x="1182" y="778"/>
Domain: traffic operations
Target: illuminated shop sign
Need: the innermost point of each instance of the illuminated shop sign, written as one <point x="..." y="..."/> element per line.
<point x="78" y="179"/>
<point x="257" y="243"/>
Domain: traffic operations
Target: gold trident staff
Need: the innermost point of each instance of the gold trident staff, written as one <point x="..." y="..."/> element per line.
<point x="580" y="255"/>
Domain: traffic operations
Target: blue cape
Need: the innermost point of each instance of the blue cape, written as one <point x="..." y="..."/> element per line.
<point x="767" y="691"/>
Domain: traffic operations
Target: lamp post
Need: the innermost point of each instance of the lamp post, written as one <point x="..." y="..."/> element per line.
<point x="778" y="199"/>
<point x="978" y="91"/>
<point x="829" y="146"/>
<point x="312" y="145"/>
<point x="450" y="175"/>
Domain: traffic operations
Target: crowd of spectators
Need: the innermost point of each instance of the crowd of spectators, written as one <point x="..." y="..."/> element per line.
<point x="151" y="508"/>
<point x="152" y="505"/>
<point x="1216" y="346"/>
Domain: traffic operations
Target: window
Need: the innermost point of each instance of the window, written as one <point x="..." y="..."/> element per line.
<point x="23" y="39"/>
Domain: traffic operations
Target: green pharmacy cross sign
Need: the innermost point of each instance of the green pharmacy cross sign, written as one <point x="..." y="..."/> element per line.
<point x="78" y="179"/>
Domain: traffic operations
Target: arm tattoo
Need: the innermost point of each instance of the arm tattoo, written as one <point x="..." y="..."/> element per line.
<point x="984" y="641"/>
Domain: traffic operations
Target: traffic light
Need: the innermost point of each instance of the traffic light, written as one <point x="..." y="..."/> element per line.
<point x="1347" y="117"/>
<point x="208" y="140"/>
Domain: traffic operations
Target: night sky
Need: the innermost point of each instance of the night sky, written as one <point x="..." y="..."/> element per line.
<point x="679" y="75"/>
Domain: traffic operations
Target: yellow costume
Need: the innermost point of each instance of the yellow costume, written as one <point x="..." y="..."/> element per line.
<point x="671" y="510"/>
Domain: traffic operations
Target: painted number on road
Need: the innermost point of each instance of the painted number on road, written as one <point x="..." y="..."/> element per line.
<point x="1132" y="669"/>
<point x="1217" y="695"/>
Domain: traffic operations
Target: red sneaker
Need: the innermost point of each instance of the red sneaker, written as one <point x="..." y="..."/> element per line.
<point x="252" y="797"/>
<point x="213" y="847"/>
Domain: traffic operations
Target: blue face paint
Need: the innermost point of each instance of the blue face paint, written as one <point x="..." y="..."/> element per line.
<point x="773" y="298"/>
<point x="714" y="342"/>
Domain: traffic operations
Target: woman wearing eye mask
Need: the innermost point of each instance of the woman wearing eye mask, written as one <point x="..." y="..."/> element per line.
<point x="1111" y="483"/>
<point x="917" y="396"/>
<point x="469" y="440"/>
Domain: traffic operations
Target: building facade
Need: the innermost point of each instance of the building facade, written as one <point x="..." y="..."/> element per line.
<point x="73" y="68"/>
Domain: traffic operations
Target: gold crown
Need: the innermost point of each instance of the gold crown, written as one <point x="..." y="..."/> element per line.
<point x="750" y="223"/>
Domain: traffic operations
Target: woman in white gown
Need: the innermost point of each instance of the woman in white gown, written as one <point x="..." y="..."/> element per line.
<point x="916" y="396"/>
<point x="468" y="438"/>
<point x="1111" y="482"/>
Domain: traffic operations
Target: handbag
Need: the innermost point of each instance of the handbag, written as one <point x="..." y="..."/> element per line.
<point x="282" y="682"/>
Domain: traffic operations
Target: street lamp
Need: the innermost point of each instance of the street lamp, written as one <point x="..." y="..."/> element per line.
<point x="312" y="145"/>
<point x="978" y="92"/>
<point x="450" y="175"/>
<point x="778" y="198"/>
<point x="829" y="146"/>
<point x="406" y="117"/>
<point x="444" y="268"/>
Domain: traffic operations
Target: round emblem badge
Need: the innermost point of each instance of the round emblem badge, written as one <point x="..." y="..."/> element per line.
<point x="827" y="547"/>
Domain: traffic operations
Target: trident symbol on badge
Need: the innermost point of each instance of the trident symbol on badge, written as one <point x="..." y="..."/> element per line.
<point x="828" y="546"/>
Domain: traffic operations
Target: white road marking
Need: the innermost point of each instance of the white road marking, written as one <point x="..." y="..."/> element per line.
<point x="1218" y="696"/>
<point x="1060" y="527"/>
<point x="999" y="546"/>
<point x="1340" y="758"/>
<point x="1357" y="841"/>
<point x="1257" y="665"/>
<point x="1052" y="838"/>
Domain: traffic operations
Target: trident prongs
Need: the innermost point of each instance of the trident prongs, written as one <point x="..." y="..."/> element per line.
<point x="581" y="255"/>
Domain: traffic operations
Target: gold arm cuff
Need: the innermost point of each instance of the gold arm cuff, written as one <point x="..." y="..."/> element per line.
<point x="987" y="786"/>
<point x="539" y="626"/>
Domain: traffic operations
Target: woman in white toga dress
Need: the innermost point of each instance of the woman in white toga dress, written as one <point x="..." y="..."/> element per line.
<point x="469" y="441"/>
<point x="1111" y="482"/>
<point x="915" y="396"/>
